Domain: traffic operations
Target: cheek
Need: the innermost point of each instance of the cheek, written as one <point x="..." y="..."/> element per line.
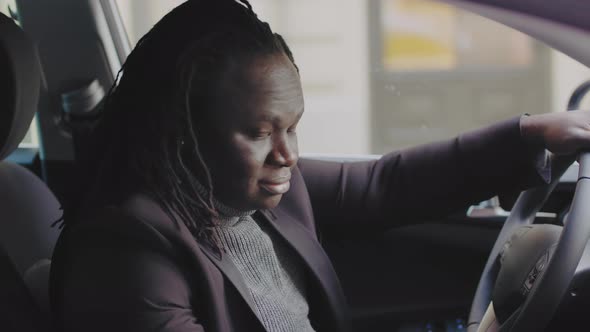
<point x="251" y="156"/>
<point x="294" y="144"/>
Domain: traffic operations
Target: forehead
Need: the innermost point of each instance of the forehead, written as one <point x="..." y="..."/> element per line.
<point x="263" y="88"/>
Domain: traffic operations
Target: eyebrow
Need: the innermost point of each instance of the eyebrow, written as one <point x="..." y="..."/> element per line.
<point x="273" y="118"/>
<point x="266" y="118"/>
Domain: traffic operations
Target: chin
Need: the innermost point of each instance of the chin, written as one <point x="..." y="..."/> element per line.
<point x="270" y="202"/>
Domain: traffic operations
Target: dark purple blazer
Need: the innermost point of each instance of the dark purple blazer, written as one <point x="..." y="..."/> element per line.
<point x="131" y="268"/>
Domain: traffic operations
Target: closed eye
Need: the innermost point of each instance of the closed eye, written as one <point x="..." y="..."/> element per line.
<point x="259" y="134"/>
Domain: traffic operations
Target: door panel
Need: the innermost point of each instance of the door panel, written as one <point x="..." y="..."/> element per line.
<point x="415" y="273"/>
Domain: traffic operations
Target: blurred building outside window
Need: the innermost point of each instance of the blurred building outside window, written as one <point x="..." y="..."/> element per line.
<point x="396" y="73"/>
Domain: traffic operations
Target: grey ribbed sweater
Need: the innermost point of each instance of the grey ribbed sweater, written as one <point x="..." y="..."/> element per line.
<point x="269" y="269"/>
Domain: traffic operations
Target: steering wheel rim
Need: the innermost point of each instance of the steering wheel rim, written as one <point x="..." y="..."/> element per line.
<point x="542" y="299"/>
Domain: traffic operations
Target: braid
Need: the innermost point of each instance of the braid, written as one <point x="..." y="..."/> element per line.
<point x="247" y="4"/>
<point x="147" y="136"/>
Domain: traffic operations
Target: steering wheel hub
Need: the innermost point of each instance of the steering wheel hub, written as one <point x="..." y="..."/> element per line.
<point x="523" y="260"/>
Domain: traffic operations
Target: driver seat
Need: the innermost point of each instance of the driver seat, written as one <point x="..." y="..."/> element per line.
<point x="27" y="206"/>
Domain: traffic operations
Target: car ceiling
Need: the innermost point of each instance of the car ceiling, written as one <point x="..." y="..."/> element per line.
<point x="563" y="25"/>
<point x="573" y="13"/>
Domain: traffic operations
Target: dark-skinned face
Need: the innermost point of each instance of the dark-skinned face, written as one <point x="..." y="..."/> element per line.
<point x="248" y="139"/>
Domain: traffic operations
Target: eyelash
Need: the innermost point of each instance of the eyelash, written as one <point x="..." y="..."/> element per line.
<point x="259" y="135"/>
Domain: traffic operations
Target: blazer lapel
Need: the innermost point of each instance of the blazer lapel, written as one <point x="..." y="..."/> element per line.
<point x="313" y="255"/>
<point x="144" y="208"/>
<point x="225" y="265"/>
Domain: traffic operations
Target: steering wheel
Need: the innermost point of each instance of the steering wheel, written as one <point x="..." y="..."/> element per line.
<point x="531" y="266"/>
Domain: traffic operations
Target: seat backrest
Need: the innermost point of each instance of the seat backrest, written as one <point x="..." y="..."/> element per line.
<point x="18" y="310"/>
<point x="27" y="210"/>
<point x="27" y="206"/>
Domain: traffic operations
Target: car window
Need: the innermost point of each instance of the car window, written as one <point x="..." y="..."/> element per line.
<point x="31" y="139"/>
<point x="397" y="73"/>
<point x="8" y="8"/>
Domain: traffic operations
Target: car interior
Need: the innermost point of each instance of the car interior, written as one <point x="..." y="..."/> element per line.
<point x="59" y="58"/>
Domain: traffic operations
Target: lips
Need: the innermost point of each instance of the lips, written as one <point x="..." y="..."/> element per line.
<point x="277" y="186"/>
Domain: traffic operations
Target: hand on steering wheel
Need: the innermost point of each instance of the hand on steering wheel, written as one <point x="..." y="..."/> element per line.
<point x="562" y="133"/>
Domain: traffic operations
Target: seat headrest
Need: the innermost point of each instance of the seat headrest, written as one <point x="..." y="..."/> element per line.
<point x="20" y="81"/>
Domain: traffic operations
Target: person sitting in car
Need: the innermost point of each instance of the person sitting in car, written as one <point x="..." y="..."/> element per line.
<point x="196" y="212"/>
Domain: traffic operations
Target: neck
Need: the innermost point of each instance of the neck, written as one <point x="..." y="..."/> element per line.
<point x="228" y="216"/>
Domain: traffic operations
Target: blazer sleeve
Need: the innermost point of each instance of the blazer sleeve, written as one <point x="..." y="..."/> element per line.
<point x="424" y="182"/>
<point x="119" y="285"/>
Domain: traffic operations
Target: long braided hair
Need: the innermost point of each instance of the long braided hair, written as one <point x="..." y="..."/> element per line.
<point x="147" y="139"/>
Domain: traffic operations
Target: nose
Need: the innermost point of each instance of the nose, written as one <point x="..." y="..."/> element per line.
<point x="285" y="152"/>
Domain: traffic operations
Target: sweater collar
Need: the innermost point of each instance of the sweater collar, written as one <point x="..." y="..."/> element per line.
<point x="228" y="216"/>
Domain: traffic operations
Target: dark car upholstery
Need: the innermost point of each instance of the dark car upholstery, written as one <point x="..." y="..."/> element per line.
<point x="27" y="206"/>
